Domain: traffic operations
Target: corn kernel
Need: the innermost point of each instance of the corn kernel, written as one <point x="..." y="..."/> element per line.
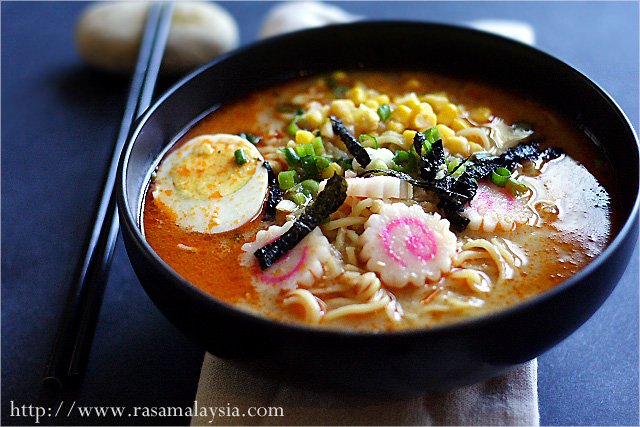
<point x="382" y="99"/>
<point x="425" y="107"/>
<point x="343" y="109"/>
<point x="413" y="103"/>
<point x="410" y="100"/>
<point x="457" y="145"/>
<point x="436" y="101"/>
<point x="365" y="119"/>
<point x="408" y="136"/>
<point x="474" y="148"/>
<point x="402" y="114"/>
<point x="447" y="114"/>
<point x="480" y="115"/>
<point x="459" y="123"/>
<point x="424" y="121"/>
<point x="372" y="103"/>
<point x="357" y="95"/>
<point x="445" y="131"/>
<point x="313" y="118"/>
<point x="395" y="126"/>
<point x="330" y="170"/>
<point x="303" y="137"/>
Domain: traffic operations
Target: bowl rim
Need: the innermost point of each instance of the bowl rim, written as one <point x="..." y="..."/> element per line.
<point x="469" y="323"/>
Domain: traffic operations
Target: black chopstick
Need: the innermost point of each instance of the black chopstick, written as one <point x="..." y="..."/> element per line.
<point x="78" y="321"/>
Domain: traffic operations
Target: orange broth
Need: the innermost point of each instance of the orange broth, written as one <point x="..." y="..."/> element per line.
<point x="553" y="256"/>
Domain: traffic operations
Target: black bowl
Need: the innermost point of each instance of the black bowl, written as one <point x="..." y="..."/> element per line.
<point x="420" y="360"/>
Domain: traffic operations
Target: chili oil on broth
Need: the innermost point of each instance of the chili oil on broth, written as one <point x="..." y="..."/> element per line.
<point x="548" y="253"/>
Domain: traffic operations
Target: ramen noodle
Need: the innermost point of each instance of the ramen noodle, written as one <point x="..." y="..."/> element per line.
<point x="379" y="201"/>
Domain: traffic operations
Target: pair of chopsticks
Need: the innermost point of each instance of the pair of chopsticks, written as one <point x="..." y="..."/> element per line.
<point x="77" y="325"/>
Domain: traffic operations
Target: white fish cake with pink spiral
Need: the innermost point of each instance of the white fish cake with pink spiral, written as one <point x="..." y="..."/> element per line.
<point x="496" y="208"/>
<point x="301" y="266"/>
<point x="405" y="245"/>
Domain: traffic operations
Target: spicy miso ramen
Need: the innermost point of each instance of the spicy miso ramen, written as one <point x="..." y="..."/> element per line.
<point x="379" y="201"/>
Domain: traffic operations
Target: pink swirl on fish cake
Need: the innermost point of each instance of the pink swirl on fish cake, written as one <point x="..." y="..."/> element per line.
<point x="422" y="245"/>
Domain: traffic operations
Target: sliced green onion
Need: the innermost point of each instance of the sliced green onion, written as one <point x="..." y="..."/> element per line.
<point x="384" y="112"/>
<point x="404" y="161"/>
<point x="309" y="166"/>
<point x="412" y="150"/>
<point x="305" y="150"/>
<point x="241" y="158"/>
<point x="516" y="187"/>
<point x="318" y="146"/>
<point x="432" y="135"/>
<point x="500" y="176"/>
<point x="402" y="156"/>
<point x="453" y="163"/>
<point x="337" y="89"/>
<point x="347" y="164"/>
<point x="426" y="147"/>
<point x="287" y="179"/>
<point x="368" y="141"/>
<point x="291" y="156"/>
<point x="322" y="162"/>
<point x="311" y="185"/>
<point x="299" y="198"/>
<point x="292" y="128"/>
<point x="459" y="168"/>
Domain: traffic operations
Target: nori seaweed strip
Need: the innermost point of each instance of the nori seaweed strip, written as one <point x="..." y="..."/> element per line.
<point x="454" y="195"/>
<point x="275" y="194"/>
<point x="452" y="213"/>
<point x="355" y="148"/>
<point x="454" y="192"/>
<point x="418" y="142"/>
<point x="429" y="165"/>
<point x="482" y="168"/>
<point x="328" y="201"/>
<point x="551" y="153"/>
<point x="435" y="186"/>
<point x="434" y="160"/>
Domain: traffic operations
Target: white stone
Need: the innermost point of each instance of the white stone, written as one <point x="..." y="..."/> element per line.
<point x="108" y="35"/>
<point x="296" y="16"/>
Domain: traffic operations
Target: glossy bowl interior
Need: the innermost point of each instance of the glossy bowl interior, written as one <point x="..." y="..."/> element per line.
<point x="409" y="361"/>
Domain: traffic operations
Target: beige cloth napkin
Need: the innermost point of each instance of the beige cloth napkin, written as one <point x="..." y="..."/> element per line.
<point x="511" y="399"/>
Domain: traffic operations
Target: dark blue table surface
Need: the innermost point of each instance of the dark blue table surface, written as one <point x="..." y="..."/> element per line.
<point x="59" y="120"/>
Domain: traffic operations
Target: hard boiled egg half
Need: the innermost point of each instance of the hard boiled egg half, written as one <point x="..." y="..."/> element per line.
<point x="205" y="190"/>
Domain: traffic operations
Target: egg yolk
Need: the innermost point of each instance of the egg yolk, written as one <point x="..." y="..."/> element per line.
<point x="210" y="170"/>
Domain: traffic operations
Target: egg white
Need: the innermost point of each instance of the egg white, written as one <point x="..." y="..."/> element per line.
<point x="204" y="190"/>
